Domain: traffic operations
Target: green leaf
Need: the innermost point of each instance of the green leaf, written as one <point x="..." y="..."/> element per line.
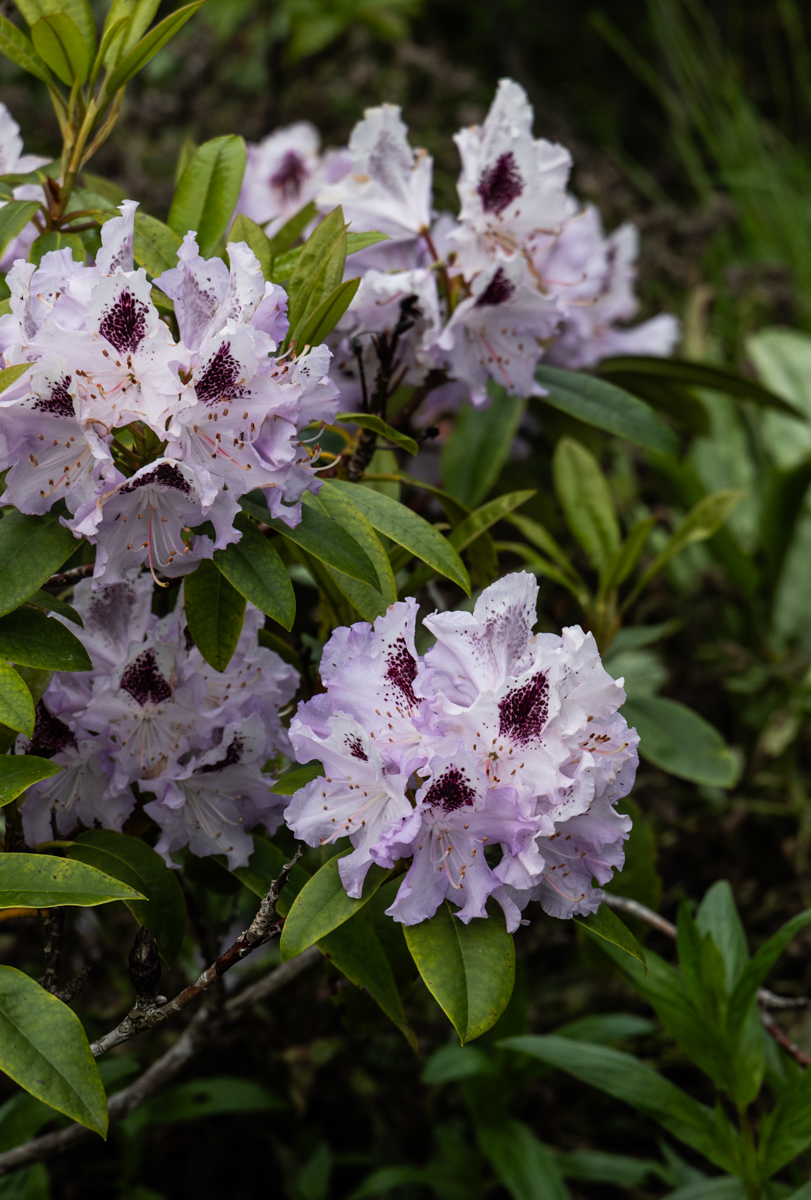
<point x="20" y="771"/>
<point x="55" y="239"/>
<point x="468" y="969"/>
<point x="148" y="47"/>
<point x="525" y="1167"/>
<point x="475" y="523"/>
<point x="758" y="967"/>
<point x="41" y="599"/>
<point x="606" y="925"/>
<point x="626" y="1078"/>
<point x="43" y="881"/>
<point x="31" y="550"/>
<point x="265" y="865"/>
<point x="79" y="12"/>
<point x="208" y="191"/>
<point x="20" y="49"/>
<point x="703" y="520"/>
<point x="202" y="1098"/>
<point x="322" y="905"/>
<point x="44" y="1049"/>
<point x="321" y="320"/>
<point x="297" y="777"/>
<point x="452" y="1063"/>
<point x="139" y="15"/>
<point x="379" y="426"/>
<point x="786" y="1130"/>
<point x="625" y="558"/>
<point x="357" y="952"/>
<point x="322" y="537"/>
<point x="479" y="446"/>
<point x="215" y="612"/>
<point x="584" y="494"/>
<point x="596" y="402"/>
<point x="600" y="1167"/>
<point x="384" y="1181"/>
<point x="696" y="374"/>
<point x="319" y="269"/>
<point x="253" y="235"/>
<point x="34" y="640"/>
<point x="606" y="1028"/>
<point x="370" y="602"/>
<point x="133" y="862"/>
<point x="293" y="229"/>
<point x="718" y="915"/>
<point x="407" y="529"/>
<point x="678" y="740"/>
<point x="253" y="567"/>
<point x="14" y="217"/>
<point x="11" y="374"/>
<point x="155" y="246"/>
<point x="537" y="535"/>
<point x="362" y="241"/>
<point x="16" y="702"/>
<point x="60" y="44"/>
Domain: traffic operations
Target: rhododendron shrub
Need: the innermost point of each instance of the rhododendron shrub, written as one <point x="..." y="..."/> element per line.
<point x="235" y="662"/>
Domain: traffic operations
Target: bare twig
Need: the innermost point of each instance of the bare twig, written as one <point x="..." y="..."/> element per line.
<point x="53" y="927"/>
<point x="63" y="578"/>
<point x="145" y="1015"/>
<point x="766" y="1000"/>
<point x="71" y="989"/>
<point x="163" y="1070"/>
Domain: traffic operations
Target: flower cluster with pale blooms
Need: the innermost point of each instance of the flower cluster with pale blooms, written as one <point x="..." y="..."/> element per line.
<point x="494" y="762"/>
<point x="523" y="273"/>
<point x="153" y="713"/>
<point x="146" y="437"/>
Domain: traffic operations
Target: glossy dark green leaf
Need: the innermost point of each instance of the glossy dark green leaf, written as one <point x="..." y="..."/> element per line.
<point x="31" y="550"/>
<point x="60" y="44"/>
<point x="628" y="1079"/>
<point x="297" y="777"/>
<point x="596" y="402"/>
<point x="44" y="1049"/>
<point x="254" y="236"/>
<point x="407" y="529"/>
<point x="322" y="537"/>
<point x="318" y="271"/>
<point x="468" y="969"/>
<point x="357" y="952"/>
<point x="155" y="245"/>
<point x="215" y="612"/>
<point x="521" y="1162"/>
<point x="16" y="702"/>
<point x="681" y="742"/>
<point x="379" y="426"/>
<point x="253" y="567"/>
<point x="208" y="191"/>
<point x="583" y="491"/>
<point x="20" y="771"/>
<point x="606" y="925"/>
<point x="79" y="12"/>
<point x="20" y="49"/>
<point x="697" y="374"/>
<point x="55" y="239"/>
<point x="42" y="599"/>
<point x="479" y="446"/>
<point x="202" y="1098"/>
<point x="44" y="881"/>
<point x="30" y="638"/>
<point x="370" y="602"/>
<point x="148" y="47"/>
<point x="132" y="861"/>
<point x="323" y="905"/>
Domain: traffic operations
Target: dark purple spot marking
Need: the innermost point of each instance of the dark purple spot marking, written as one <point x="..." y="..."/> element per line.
<point x="50" y="734"/>
<point x="402" y="670"/>
<point x="500" y="184"/>
<point x="232" y="756"/>
<point x="355" y="747"/>
<point x="125" y="324"/>
<point x="219" y="379"/>
<point x="165" y="475"/>
<point x="289" y="175"/>
<point x="188" y="639"/>
<point x="451" y="791"/>
<point x="499" y="290"/>
<point x="59" y="403"/>
<point x="143" y="680"/>
<point x="523" y="712"/>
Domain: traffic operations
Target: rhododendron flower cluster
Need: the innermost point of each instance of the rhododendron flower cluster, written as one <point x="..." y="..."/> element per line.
<point x="144" y="436"/>
<point x="494" y="762"/>
<point x="152" y="713"/>
<point x="523" y="273"/>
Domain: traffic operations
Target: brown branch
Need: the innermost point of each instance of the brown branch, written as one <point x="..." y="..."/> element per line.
<point x="766" y="999"/>
<point x="146" y="1015"/>
<point x="72" y="576"/>
<point x="199" y="1030"/>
